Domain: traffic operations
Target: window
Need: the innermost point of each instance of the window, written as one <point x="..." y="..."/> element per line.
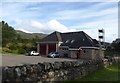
<point x="67" y="41"/>
<point x="83" y="39"/>
<point x="64" y="48"/>
<point x="72" y="41"/>
<point x="84" y="51"/>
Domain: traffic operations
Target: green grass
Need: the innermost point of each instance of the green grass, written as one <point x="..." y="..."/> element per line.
<point x="107" y="74"/>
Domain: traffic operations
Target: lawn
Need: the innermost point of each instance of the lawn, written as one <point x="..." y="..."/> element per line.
<point x="107" y="74"/>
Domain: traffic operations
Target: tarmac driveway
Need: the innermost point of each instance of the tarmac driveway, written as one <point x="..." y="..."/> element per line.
<point x="9" y="60"/>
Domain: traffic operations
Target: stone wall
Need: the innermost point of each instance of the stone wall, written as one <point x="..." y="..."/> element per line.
<point x="56" y="71"/>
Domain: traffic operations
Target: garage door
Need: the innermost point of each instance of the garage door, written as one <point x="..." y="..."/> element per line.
<point x="43" y="49"/>
<point x="51" y="48"/>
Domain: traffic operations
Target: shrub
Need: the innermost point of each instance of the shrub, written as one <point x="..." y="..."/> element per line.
<point x="21" y="51"/>
<point x="6" y="50"/>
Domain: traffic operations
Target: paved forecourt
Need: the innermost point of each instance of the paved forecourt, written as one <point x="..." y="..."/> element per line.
<point x="15" y="60"/>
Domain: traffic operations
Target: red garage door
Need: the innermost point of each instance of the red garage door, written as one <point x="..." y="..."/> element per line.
<point x="51" y="48"/>
<point x="43" y="49"/>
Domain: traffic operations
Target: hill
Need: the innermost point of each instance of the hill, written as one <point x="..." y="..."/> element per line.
<point x="16" y="41"/>
<point x="25" y="35"/>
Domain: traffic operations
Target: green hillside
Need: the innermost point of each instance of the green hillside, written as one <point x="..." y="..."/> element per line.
<point x="17" y="42"/>
<point x="25" y="35"/>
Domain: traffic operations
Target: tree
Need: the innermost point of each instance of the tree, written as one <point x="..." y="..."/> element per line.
<point x="116" y="45"/>
<point x="8" y="34"/>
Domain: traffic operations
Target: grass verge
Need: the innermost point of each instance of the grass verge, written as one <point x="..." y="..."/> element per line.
<point x="111" y="73"/>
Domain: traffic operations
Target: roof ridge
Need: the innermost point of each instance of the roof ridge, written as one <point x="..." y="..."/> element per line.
<point x="89" y="39"/>
<point x="72" y="32"/>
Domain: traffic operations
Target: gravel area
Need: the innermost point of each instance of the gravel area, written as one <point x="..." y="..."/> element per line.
<point x="15" y="60"/>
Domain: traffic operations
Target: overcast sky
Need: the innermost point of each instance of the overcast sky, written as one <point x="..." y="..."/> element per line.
<point x="45" y="17"/>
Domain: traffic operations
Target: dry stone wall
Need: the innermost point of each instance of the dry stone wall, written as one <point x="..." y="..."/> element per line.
<point x="56" y="71"/>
